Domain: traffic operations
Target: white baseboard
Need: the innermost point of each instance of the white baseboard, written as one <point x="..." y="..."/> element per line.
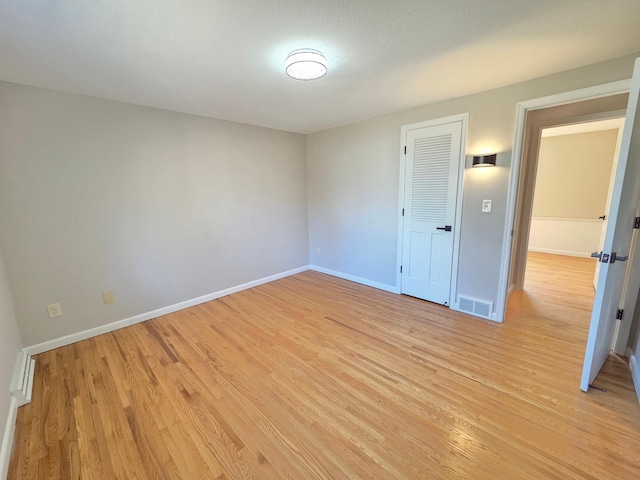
<point x="635" y="373"/>
<point x="7" y="438"/>
<point x="352" y="278"/>
<point x="21" y="385"/>
<point x="110" y="327"/>
<point x="560" y="252"/>
<point x="575" y="237"/>
<point x="385" y="287"/>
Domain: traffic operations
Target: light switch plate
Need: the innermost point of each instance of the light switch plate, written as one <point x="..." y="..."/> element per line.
<point x="108" y="297"/>
<point x="54" y="310"/>
<point x="486" y="206"/>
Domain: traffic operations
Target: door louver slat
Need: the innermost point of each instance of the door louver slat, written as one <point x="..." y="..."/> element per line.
<point x="431" y="160"/>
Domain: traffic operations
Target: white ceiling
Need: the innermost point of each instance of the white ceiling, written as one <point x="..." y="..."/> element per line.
<point x="225" y="58"/>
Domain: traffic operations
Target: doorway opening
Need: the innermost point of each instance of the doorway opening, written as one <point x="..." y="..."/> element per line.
<point x="618" y="281"/>
<point x="562" y="206"/>
<point x="577" y="106"/>
<point x="571" y="199"/>
<point x="561" y="200"/>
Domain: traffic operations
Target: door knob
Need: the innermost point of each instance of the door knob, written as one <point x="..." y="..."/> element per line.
<point x="603" y="257"/>
<point x="446" y="228"/>
<point x="614" y="257"/>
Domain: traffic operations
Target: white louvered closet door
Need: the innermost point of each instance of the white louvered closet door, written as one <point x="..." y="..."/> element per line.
<point x="431" y="182"/>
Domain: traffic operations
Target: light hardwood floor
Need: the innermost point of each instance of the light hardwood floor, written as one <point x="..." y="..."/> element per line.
<point x="315" y="377"/>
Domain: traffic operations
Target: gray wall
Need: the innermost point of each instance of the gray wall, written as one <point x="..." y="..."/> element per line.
<point x="156" y="206"/>
<point x="10" y="345"/>
<point x="162" y="207"/>
<point x="353" y="182"/>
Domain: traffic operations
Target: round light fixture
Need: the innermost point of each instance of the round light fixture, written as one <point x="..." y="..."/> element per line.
<point x="306" y="64"/>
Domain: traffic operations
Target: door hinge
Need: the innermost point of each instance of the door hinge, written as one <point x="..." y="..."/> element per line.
<point x="405" y="149"/>
<point x="619" y="314"/>
<point x="403" y="212"/>
<point x="400" y="268"/>
<point x="636" y="223"/>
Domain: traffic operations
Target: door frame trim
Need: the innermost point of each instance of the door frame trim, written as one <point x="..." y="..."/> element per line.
<point x="404" y="129"/>
<point x="589" y="93"/>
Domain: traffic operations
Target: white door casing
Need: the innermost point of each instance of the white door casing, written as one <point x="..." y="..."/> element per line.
<point x="433" y="159"/>
<point x="624" y="204"/>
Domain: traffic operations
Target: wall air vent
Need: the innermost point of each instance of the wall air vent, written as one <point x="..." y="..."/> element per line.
<point x="479" y="308"/>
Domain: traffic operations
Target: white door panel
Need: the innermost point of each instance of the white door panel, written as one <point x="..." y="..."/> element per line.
<point x="418" y="250"/>
<point x="431" y="180"/>
<point x="612" y="179"/>
<point x="622" y="212"/>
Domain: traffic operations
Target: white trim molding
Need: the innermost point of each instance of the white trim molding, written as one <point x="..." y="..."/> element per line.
<point x="635" y="371"/>
<point x="353" y="278"/>
<point x="522" y="108"/>
<point x="7" y="438"/>
<point x="110" y="327"/>
<point x="566" y="253"/>
<point x="575" y="237"/>
<point x="21" y="385"/>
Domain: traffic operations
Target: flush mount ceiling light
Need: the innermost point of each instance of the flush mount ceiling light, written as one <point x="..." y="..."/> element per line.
<point x="306" y="64"/>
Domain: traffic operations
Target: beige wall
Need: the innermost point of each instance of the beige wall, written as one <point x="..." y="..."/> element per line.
<point x="158" y="207"/>
<point x="573" y="175"/>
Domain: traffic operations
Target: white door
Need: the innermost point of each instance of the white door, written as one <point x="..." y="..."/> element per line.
<point x="604" y="217"/>
<point x="624" y="203"/>
<point x="431" y="184"/>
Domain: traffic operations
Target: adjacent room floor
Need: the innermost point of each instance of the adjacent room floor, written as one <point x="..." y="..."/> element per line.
<point x="316" y="377"/>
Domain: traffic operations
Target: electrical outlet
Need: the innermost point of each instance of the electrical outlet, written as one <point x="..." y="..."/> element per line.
<point x="54" y="310"/>
<point x="318" y="251"/>
<point x="108" y="297"/>
<point x="486" y="206"/>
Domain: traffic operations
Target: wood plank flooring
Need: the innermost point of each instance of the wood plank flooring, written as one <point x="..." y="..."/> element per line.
<point x="316" y="377"/>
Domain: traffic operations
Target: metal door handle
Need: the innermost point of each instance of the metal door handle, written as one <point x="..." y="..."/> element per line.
<point x="618" y="258"/>
<point x="446" y="228"/>
<point x="603" y="257"/>
<point x="602" y="217"/>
